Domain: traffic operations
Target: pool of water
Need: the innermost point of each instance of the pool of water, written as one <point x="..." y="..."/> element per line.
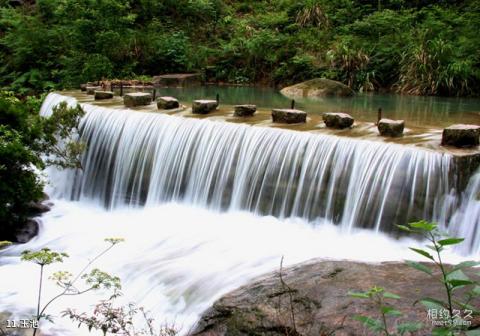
<point x="416" y="111"/>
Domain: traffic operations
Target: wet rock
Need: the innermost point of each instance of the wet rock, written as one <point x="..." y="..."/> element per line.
<point x="289" y="116"/>
<point x="26" y="232"/>
<point x="317" y="293"/>
<point x="91" y="89"/>
<point x="83" y="87"/>
<point x="39" y="207"/>
<point x="461" y="135"/>
<point x="100" y="95"/>
<point x="317" y="87"/>
<point x="137" y="99"/>
<point x="204" y="106"/>
<point x="245" y="110"/>
<point x="167" y="103"/>
<point x="391" y="128"/>
<point x="338" y="120"/>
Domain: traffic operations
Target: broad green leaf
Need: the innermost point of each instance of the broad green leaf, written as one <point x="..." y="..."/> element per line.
<point x="389" y="295"/>
<point x="360" y="295"/>
<point x="409" y="327"/>
<point x="450" y="241"/>
<point x="457" y="275"/>
<point x="431" y="303"/>
<point x="419" y="267"/>
<point x="404" y="228"/>
<point x="372" y="324"/>
<point x="423" y="225"/>
<point x="460" y="283"/>
<point x="422" y="252"/>
<point x="463" y="265"/>
<point x="390" y="311"/>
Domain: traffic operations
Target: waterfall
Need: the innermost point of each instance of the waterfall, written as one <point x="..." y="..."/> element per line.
<point x="136" y="158"/>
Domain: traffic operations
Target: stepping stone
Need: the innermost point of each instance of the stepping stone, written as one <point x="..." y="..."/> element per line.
<point x="289" y="116"/>
<point x="137" y="99"/>
<point x="167" y="103"/>
<point x="338" y="120"/>
<point x="391" y="128"/>
<point x="245" y="110"/>
<point x="204" y="106"/>
<point x="91" y="89"/>
<point x="461" y="135"/>
<point x="83" y="87"/>
<point x="99" y="95"/>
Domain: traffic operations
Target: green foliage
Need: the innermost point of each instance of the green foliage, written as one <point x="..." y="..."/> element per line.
<point x="44" y="256"/>
<point x="378" y="297"/>
<point x="418" y="47"/>
<point x="24" y="138"/>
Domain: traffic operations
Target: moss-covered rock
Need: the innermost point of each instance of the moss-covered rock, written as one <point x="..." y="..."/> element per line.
<point x="391" y="128"/>
<point x="317" y="87"/>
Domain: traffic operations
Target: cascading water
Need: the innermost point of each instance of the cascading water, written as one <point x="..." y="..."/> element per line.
<point x="155" y="179"/>
<point x="145" y="158"/>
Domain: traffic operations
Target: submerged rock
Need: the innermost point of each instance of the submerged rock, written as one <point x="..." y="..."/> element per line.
<point x="317" y="294"/>
<point x="204" y="106"/>
<point x="289" y="116"/>
<point x="167" y="103"/>
<point x="91" y="89"/>
<point x="317" y="87"/>
<point x="137" y="99"/>
<point x="338" y="120"/>
<point x="392" y="128"/>
<point x="245" y="110"/>
<point x="99" y="95"/>
<point x="461" y="135"/>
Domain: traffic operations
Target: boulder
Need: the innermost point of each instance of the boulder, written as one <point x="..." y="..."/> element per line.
<point x="204" y="106"/>
<point x="99" y="95"/>
<point x="312" y="299"/>
<point x="178" y="80"/>
<point x="317" y="87"/>
<point x="338" y="120"/>
<point x="91" y="89"/>
<point x="245" y="110"/>
<point x="167" y="103"/>
<point x="391" y="128"/>
<point x="461" y="135"/>
<point x="137" y="99"/>
<point x="83" y="87"/>
<point x="289" y="116"/>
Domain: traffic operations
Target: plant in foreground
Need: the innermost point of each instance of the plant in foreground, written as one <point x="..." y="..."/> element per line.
<point x="95" y="279"/>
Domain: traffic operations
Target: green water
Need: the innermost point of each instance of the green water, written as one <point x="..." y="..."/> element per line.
<point x="416" y="111"/>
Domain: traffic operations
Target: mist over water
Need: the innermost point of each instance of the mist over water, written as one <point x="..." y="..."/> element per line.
<point x="206" y="206"/>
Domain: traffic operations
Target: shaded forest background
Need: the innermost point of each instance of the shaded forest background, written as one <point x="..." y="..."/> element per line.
<point x="421" y="47"/>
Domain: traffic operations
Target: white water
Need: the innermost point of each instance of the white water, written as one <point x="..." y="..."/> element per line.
<point x="204" y="231"/>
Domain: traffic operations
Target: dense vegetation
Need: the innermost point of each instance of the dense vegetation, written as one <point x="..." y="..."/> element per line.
<point x="425" y="47"/>
<point x="27" y="143"/>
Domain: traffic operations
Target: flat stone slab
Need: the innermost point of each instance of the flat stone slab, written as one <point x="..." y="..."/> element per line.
<point x="461" y="135"/>
<point x="167" y="103"/>
<point x="289" y="116"/>
<point x="245" y="110"/>
<point x="91" y="89"/>
<point x="204" y="106"/>
<point x="391" y="128"/>
<point x="137" y="99"/>
<point x="99" y="95"/>
<point x="338" y="120"/>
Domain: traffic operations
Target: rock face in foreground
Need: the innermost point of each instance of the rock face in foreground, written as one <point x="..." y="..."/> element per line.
<point x="204" y="106"/>
<point x="391" y="128"/>
<point x="337" y="120"/>
<point x="461" y="135"/>
<point x="137" y="99"/>
<point x="317" y="87"/>
<point x="288" y="116"/>
<point x="317" y="293"/>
